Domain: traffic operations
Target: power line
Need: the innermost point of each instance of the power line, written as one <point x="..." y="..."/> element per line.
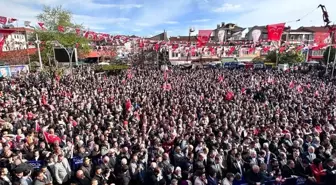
<point x="304" y="16"/>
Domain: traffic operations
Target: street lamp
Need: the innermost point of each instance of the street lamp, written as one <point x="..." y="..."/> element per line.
<point x="191" y="29"/>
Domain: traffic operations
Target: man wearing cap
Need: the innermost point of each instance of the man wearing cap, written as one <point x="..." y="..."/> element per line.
<point x="87" y="167"/>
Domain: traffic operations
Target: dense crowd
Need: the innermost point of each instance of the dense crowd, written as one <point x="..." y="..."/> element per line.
<point x="174" y="127"/>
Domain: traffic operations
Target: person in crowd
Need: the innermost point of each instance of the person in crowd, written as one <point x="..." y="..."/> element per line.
<point x="81" y="179"/>
<point x="254" y="177"/>
<point x="40" y="179"/>
<point x="62" y="170"/>
<point x="228" y="180"/>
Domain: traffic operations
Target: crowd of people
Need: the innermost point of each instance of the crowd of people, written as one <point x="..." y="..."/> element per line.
<point x="146" y="126"/>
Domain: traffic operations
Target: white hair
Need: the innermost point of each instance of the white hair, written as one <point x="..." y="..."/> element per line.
<point x="253" y="152"/>
<point x="123" y="161"/>
<point x="153" y="165"/>
<point x="265" y="145"/>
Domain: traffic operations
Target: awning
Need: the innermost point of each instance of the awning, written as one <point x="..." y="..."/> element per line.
<point x="93" y="54"/>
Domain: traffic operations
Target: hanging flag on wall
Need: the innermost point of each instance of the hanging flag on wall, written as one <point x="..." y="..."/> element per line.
<point x="275" y="31"/>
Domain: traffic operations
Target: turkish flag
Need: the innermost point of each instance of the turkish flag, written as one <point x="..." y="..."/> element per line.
<point x="232" y="49"/>
<point x="3" y="20"/>
<point x="157" y="47"/>
<point x="44" y="100"/>
<point x="141" y="44"/>
<point x="166" y="86"/>
<point x="220" y="78"/>
<point x="275" y="31"/>
<point x="78" y="31"/>
<point x="128" y="105"/>
<point x="37" y="127"/>
<point x="299" y="89"/>
<point x="41" y="24"/>
<point x="291" y="85"/>
<point x="60" y="28"/>
<point x="165" y="75"/>
<point x="251" y="50"/>
<point x="51" y="138"/>
<point x="229" y="96"/>
<point x="321" y="38"/>
<point x="282" y="49"/>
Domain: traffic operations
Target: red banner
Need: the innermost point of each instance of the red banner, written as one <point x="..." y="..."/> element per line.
<point x="3" y="20"/>
<point x="203" y="37"/>
<point x="275" y="31"/>
<point x="322" y="38"/>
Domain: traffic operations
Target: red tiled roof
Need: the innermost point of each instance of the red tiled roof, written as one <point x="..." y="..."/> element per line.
<point x="314" y="29"/>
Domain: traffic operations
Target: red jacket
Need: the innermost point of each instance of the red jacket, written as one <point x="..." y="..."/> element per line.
<point x="318" y="171"/>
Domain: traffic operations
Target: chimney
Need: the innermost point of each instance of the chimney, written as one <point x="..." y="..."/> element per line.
<point x="218" y="26"/>
<point x="223" y="24"/>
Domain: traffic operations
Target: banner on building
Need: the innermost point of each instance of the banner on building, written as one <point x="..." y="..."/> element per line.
<point x="17" y="69"/>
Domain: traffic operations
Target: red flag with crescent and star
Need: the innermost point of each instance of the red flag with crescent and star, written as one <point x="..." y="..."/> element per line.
<point x="275" y="31"/>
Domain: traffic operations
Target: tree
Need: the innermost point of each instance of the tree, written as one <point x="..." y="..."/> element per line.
<point x="271" y="57"/>
<point x="291" y="57"/>
<point x="332" y="54"/>
<point x="258" y="59"/>
<point x="52" y="17"/>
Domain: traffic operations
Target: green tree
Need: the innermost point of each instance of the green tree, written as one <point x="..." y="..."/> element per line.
<point x="258" y="59"/>
<point x="332" y="54"/>
<point x="52" y="17"/>
<point x="271" y="57"/>
<point x="291" y="57"/>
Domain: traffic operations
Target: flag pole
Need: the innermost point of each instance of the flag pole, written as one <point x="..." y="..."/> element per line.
<point x="333" y="69"/>
<point x="329" y="52"/>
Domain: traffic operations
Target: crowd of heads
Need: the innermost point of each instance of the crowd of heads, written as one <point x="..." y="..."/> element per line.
<point x="146" y="126"/>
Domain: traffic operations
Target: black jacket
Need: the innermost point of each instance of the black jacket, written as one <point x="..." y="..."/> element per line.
<point x="252" y="178"/>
